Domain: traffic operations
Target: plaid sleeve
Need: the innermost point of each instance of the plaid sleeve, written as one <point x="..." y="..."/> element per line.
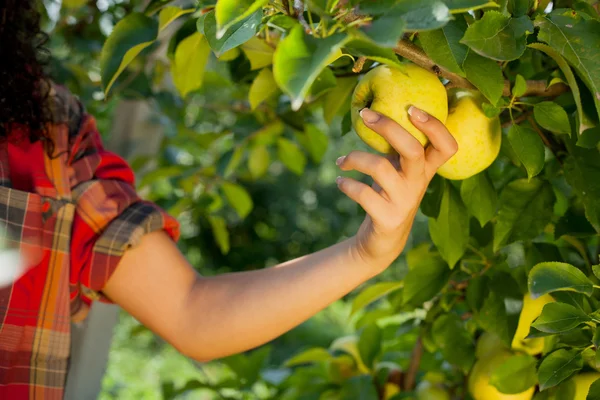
<point x="110" y="217"/>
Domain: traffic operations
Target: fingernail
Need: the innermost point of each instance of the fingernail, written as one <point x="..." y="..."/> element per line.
<point x="369" y="116"/>
<point x="338" y="180"/>
<point x="340" y="160"/>
<point x="418" y="114"/>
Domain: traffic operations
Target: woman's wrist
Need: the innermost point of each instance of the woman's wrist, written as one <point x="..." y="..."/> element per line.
<point x="372" y="267"/>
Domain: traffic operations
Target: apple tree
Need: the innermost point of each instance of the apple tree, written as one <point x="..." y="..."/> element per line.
<point x="499" y="291"/>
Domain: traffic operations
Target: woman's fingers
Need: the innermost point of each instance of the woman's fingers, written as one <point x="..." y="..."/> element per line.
<point x="365" y="195"/>
<point x="379" y="168"/>
<point x="442" y="144"/>
<point x="409" y="148"/>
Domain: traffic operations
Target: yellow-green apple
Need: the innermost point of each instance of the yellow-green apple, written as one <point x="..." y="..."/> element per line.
<point x="391" y="91"/>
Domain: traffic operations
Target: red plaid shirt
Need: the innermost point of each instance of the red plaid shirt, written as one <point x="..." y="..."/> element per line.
<point x="71" y="215"/>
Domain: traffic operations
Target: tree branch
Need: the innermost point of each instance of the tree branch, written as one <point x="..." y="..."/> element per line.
<point x="299" y="14"/>
<point x="413" y="368"/>
<point x="412" y="52"/>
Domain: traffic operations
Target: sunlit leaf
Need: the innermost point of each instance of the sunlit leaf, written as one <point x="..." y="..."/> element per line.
<point x="230" y="12"/>
<point x="130" y="36"/>
<point x="238" y="197"/>
<point x="299" y="59"/>
<point x="220" y="232"/>
<point x="262" y="88"/>
<point x="170" y="14"/>
<point x="291" y="156"/>
<point x="191" y="57"/>
<point x="259" y="52"/>
<point x="234" y="36"/>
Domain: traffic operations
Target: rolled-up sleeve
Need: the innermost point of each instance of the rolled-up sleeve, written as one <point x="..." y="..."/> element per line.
<point x="109" y="216"/>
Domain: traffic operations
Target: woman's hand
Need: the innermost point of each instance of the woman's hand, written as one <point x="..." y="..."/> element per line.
<point x="401" y="180"/>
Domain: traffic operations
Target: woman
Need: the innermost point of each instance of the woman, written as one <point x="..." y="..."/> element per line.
<point x="70" y="208"/>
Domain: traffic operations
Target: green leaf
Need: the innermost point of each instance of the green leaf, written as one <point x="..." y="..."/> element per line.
<point x="528" y="147"/>
<point x="238" y="197"/>
<point x="299" y="59"/>
<point x="291" y="156"/>
<point x="596" y="271"/>
<point x="188" y="66"/>
<point x="263" y="87"/>
<point x="258" y="52"/>
<point x="422" y="15"/>
<point x="589" y="138"/>
<point x="525" y="209"/>
<point x="480" y="197"/>
<point x="594" y="391"/>
<point x="268" y="134"/>
<point x="515" y="375"/>
<point x="567" y="72"/>
<point x="492" y="317"/>
<point x="578" y="40"/>
<point x="486" y="75"/>
<point x="234" y="36"/>
<point x="229" y="161"/>
<point x="582" y="169"/>
<point x="317" y="142"/>
<point x="491" y="111"/>
<point x="384" y="31"/>
<point x="170" y="14"/>
<point x="220" y="232"/>
<point x="497" y="36"/>
<point x="129" y="37"/>
<point x="552" y="117"/>
<point x="155" y="5"/>
<point x="450" y="230"/>
<point x="519" y="87"/>
<point x="258" y="161"/>
<point x="359" y="387"/>
<point x="425" y="279"/>
<point x="338" y="99"/>
<point x="548" y="277"/>
<point x="316" y="354"/>
<point x="363" y="48"/>
<point x="455" y="343"/>
<point x="519" y="7"/>
<point x="558" y="366"/>
<point x="559" y="318"/>
<point x="325" y="82"/>
<point x="574" y="224"/>
<point x="443" y="45"/>
<point x="373" y="293"/>
<point x="230" y="12"/>
<point x="369" y="344"/>
<point x="461" y="6"/>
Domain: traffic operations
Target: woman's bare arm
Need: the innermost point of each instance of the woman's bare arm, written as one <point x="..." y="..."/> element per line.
<point x="207" y="318"/>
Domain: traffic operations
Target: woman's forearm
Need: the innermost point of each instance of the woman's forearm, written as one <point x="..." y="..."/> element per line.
<point x="234" y="312"/>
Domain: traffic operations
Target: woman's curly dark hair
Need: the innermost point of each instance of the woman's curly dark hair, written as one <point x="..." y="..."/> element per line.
<point x="24" y="89"/>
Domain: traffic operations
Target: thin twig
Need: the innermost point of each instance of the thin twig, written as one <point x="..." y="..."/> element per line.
<point x="517" y="120"/>
<point x="413" y="367"/>
<point x="412" y="52"/>
<point x="299" y="14"/>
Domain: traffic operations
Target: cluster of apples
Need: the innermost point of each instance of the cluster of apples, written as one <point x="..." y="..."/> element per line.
<point x="391" y="91"/>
